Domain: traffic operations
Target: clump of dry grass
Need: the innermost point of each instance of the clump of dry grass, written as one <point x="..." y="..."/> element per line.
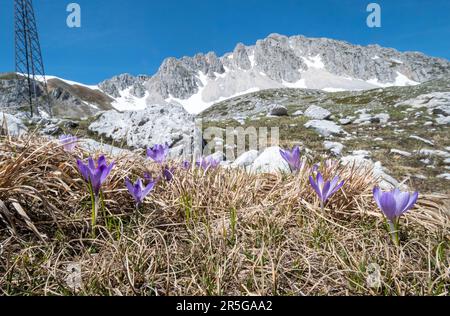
<point x="222" y="232"/>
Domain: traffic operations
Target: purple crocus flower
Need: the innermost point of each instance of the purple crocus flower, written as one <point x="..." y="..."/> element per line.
<point x="95" y="175"/>
<point x="69" y="142"/>
<point x="138" y="190"/>
<point x="158" y="153"/>
<point x="325" y="189"/>
<point x="315" y="168"/>
<point x="168" y="173"/>
<point x="394" y="203"/>
<point x="148" y="177"/>
<point x="293" y="158"/>
<point x="208" y="163"/>
<point x="186" y="165"/>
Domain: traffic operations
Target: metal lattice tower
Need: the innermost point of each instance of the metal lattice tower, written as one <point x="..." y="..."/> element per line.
<point x="29" y="57"/>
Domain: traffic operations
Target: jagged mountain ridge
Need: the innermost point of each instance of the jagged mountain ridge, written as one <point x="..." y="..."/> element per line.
<point x="276" y="62"/>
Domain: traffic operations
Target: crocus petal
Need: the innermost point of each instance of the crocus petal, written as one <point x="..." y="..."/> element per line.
<point x="83" y="170"/>
<point x="101" y="161"/>
<point x="285" y="155"/>
<point x="333" y="183"/>
<point x="336" y="189"/>
<point x="296" y="153"/>
<point x="158" y="153"/>
<point x="412" y="201"/>
<point x="315" y="187"/>
<point x="186" y="165"/>
<point x="106" y="170"/>
<point x="91" y="164"/>
<point x="139" y="185"/>
<point x="388" y="205"/>
<point x="168" y="173"/>
<point x="326" y="193"/>
<point x="401" y="201"/>
<point x="129" y="186"/>
<point x="377" y="196"/>
<point x="148" y="189"/>
<point x="95" y="179"/>
<point x="320" y="182"/>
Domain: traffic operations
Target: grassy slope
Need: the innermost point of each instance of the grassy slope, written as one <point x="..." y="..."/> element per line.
<point x="217" y="233"/>
<point x="292" y="130"/>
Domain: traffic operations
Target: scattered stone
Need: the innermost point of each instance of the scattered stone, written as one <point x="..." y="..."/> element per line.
<point x="443" y="120"/>
<point x="401" y="153"/>
<point x="386" y="182"/>
<point x="445" y="176"/>
<point x="430" y="152"/>
<point x="423" y="140"/>
<point x="218" y="156"/>
<point x="270" y="161"/>
<point x="362" y="153"/>
<point x="317" y="113"/>
<point x="278" y="110"/>
<point x="297" y="113"/>
<point x="325" y="128"/>
<point x="70" y="124"/>
<point x="52" y="129"/>
<point x="366" y="119"/>
<point x="381" y="118"/>
<point x="345" y="121"/>
<point x="363" y="119"/>
<point x="334" y="147"/>
<point x="246" y="159"/>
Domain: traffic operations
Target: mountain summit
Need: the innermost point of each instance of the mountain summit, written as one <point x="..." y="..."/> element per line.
<point x="197" y="83"/>
<point x="278" y="61"/>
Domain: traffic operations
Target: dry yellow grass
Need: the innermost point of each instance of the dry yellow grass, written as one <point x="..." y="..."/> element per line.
<point x="223" y="232"/>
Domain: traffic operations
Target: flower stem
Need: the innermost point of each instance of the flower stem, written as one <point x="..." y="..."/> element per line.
<point x="394" y="233"/>
<point x="95" y="204"/>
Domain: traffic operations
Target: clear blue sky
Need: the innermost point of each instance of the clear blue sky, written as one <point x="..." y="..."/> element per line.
<point x="134" y="36"/>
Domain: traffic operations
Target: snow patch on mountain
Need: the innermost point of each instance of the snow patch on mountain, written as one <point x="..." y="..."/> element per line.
<point x="129" y="102"/>
<point x="401" y="80"/>
<point x="314" y="62"/>
<point x="70" y="82"/>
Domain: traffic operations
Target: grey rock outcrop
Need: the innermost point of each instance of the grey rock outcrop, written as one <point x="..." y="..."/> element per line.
<point x="385" y="181"/>
<point x="278" y="110"/>
<point x="334" y="147"/>
<point x="269" y="161"/>
<point x="246" y="159"/>
<point x="115" y="85"/>
<point x="11" y="125"/>
<point x="157" y="124"/>
<point x="317" y="113"/>
<point x="324" y="128"/>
